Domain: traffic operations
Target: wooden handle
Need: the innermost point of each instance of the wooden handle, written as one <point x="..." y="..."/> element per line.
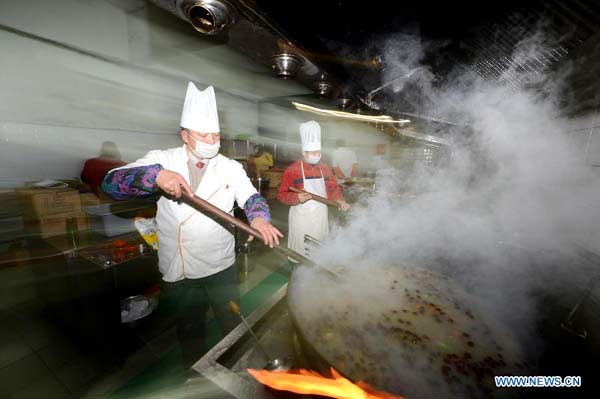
<point x="197" y="202"/>
<point x="235" y="308"/>
<point x="215" y="211"/>
<point x="315" y="197"/>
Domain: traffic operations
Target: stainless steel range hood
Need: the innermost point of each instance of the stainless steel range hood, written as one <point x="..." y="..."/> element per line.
<point x="247" y="30"/>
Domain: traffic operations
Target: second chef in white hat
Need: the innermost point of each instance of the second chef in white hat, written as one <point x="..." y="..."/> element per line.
<point x="307" y="216"/>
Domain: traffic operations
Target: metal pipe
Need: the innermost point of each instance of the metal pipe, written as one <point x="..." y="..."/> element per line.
<point x="235" y="309"/>
<point x="210" y="17"/>
<point x="405" y="76"/>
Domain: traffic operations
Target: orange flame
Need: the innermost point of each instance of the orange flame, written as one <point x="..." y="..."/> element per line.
<point x="309" y="382"/>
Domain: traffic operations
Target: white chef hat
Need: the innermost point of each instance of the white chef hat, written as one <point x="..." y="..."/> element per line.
<point x="200" y="110"/>
<point x="310" y="133"/>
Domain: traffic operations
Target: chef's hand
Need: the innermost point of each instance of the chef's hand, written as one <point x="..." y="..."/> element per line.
<point x="172" y="183"/>
<point x="343" y="205"/>
<point x="269" y="233"/>
<point x="303" y="197"/>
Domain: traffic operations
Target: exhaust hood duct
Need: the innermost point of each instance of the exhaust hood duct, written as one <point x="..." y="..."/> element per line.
<point x="254" y="34"/>
<point x="324" y="88"/>
<point x="206" y="16"/>
<point x="344" y="102"/>
<point x="209" y="16"/>
<point x="286" y="65"/>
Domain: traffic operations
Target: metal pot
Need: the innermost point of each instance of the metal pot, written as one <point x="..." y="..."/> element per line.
<point x="356" y="187"/>
<point x="408" y="331"/>
<point x="402" y="329"/>
<point x="136" y="307"/>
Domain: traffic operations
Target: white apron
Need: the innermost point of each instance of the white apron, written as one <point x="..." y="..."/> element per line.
<point x="308" y="218"/>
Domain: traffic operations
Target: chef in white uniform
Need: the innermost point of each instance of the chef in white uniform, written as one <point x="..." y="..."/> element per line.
<point x="344" y="161"/>
<point x="307" y="216"/>
<point x="196" y="253"/>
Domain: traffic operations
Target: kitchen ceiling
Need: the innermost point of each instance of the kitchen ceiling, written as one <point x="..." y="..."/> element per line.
<point x="369" y="52"/>
<point x="361" y="42"/>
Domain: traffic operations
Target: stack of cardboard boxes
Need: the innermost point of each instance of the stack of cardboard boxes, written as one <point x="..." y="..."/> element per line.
<point x="49" y="212"/>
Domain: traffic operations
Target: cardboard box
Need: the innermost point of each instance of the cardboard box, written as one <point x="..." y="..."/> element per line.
<point x="88" y="199"/>
<point x="38" y="203"/>
<point x="91" y="199"/>
<point x="54" y="225"/>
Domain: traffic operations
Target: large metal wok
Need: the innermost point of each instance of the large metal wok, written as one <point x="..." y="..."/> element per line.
<point x="355" y="187"/>
<point x="402" y="329"/>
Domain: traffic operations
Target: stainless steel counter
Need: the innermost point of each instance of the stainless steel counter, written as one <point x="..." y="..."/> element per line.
<point x="226" y="363"/>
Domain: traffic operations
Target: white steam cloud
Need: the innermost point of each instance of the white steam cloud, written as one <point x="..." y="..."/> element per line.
<point x="513" y="196"/>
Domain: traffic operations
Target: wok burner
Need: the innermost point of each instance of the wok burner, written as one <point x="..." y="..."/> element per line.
<point x="311" y="244"/>
<point x="226" y="363"/>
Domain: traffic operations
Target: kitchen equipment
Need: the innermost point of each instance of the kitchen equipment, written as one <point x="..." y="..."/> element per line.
<point x="260" y="183"/>
<point x="137" y="307"/>
<point x="245" y="265"/>
<point x="115" y="252"/>
<point x="354" y="186"/>
<point x="73" y="232"/>
<point x="245" y="248"/>
<point x="357" y="188"/>
<point x="402" y="329"/>
<point x="226" y="363"/>
<point x="198" y="202"/>
<point x="310" y="245"/>
<point x="112" y="219"/>
<point x="315" y="197"/>
<point x="275" y="364"/>
<point x="358" y="181"/>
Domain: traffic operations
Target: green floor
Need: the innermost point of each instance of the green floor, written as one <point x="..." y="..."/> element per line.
<point x="168" y="371"/>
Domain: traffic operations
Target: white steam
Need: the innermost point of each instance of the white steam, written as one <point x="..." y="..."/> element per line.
<point x="513" y="191"/>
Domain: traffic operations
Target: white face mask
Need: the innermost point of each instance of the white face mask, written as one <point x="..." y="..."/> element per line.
<point x="313" y="159"/>
<point x="206" y="151"/>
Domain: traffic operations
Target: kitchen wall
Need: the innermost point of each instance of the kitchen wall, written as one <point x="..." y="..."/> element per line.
<point x="81" y="76"/>
<point x="78" y="75"/>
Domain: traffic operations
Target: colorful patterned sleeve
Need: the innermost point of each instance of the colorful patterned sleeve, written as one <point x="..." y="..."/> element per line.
<point x="133" y="182"/>
<point x="256" y="206"/>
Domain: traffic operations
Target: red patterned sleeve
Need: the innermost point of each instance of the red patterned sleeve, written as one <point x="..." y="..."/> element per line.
<point x="334" y="191"/>
<point x="284" y="195"/>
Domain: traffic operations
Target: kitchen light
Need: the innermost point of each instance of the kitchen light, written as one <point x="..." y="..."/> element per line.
<point x="348" y="115"/>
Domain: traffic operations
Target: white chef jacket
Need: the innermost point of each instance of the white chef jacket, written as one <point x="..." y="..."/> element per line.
<point x="344" y="158"/>
<point x="192" y="245"/>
